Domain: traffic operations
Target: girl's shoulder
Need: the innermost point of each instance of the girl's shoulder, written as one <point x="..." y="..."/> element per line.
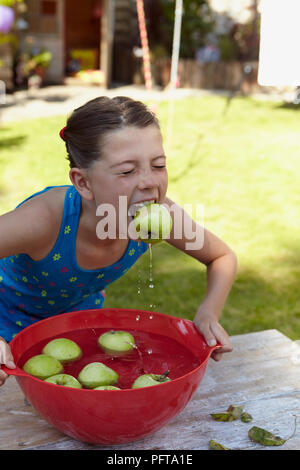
<point x="34" y="225"/>
<point x="45" y="208"/>
<point x="51" y="200"/>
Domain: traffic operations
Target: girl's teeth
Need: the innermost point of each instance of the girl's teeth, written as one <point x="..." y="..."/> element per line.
<point x="135" y="207"/>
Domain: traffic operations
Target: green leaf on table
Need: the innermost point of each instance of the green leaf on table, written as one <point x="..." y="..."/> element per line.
<point x="264" y="437"/>
<point x="225" y="416"/>
<point x="246" y="417"/>
<point x="214" y="445"/>
<point x="233" y="412"/>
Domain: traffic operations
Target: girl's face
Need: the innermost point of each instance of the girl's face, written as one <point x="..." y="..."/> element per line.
<point x="133" y="164"/>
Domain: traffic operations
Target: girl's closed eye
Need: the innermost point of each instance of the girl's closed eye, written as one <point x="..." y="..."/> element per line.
<point x="127" y="172"/>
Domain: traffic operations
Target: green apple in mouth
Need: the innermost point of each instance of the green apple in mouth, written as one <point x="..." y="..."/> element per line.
<point x="63" y="349"/>
<point x="148" y="380"/>
<point x="64" y="379"/>
<point x="153" y="223"/>
<point x="43" y="366"/>
<point x="116" y="342"/>
<point x="107" y="387"/>
<point x="96" y="374"/>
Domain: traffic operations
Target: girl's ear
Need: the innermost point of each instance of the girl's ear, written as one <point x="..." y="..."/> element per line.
<point x="80" y="181"/>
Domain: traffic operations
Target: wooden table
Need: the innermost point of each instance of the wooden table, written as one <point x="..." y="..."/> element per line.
<point x="262" y="373"/>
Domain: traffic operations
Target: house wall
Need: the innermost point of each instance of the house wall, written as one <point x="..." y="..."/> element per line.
<point x="77" y="25"/>
<point x="6" y="69"/>
<point x="124" y="30"/>
<point x="83" y="27"/>
<point x="47" y="30"/>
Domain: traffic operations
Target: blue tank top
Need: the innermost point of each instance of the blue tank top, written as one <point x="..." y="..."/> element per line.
<point x="32" y="290"/>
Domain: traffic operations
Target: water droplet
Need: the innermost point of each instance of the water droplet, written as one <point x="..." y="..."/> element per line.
<point x="151" y="286"/>
<point x="150" y="265"/>
<point x="137" y="318"/>
<point x="139" y="282"/>
<point x="150" y="317"/>
<point x="149" y="351"/>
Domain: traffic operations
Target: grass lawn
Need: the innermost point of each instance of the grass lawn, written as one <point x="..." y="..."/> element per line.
<point x="243" y="166"/>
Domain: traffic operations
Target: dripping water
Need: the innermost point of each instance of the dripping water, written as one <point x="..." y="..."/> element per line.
<point x="139" y="282"/>
<point x="141" y="367"/>
<point x="151" y="285"/>
<point x="139" y="276"/>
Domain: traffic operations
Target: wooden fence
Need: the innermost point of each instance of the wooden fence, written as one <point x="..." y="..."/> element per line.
<point x="215" y="75"/>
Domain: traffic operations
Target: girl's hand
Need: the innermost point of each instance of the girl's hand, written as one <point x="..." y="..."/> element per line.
<point x="213" y="332"/>
<point x="6" y="358"/>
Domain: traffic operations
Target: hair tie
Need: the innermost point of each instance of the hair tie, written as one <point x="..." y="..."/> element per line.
<point x="62" y="133"/>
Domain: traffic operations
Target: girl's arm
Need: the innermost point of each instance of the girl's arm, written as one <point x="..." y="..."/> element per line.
<point x="29" y="229"/>
<point x="221" y="265"/>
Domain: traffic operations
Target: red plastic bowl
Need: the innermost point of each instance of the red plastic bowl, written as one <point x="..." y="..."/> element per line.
<point x="110" y="417"/>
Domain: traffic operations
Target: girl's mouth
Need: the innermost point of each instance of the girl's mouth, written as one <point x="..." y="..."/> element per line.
<point x="135" y="207"/>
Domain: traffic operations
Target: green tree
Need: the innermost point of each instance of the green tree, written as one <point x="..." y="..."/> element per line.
<point x="197" y="22"/>
<point x="9" y="3"/>
<point x="8" y="37"/>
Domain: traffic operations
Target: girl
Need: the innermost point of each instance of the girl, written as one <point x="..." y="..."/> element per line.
<point x="52" y="259"/>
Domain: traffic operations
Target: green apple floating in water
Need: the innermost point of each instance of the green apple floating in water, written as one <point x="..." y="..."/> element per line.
<point x="64" y="379"/>
<point x="43" y="366"/>
<point x="153" y="223"/>
<point x="116" y="342"/>
<point x="147" y="380"/>
<point x="107" y="387"/>
<point x="95" y="374"/>
<point x="63" y="349"/>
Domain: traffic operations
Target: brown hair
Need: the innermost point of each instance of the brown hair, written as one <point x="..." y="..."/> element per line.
<point x="88" y="124"/>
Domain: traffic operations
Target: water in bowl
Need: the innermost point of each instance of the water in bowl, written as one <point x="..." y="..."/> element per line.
<point x="154" y="354"/>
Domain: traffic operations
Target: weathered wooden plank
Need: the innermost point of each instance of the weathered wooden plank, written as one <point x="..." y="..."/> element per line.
<point x="261" y="374"/>
<point x="20" y="425"/>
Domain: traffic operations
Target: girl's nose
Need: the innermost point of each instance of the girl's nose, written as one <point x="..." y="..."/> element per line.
<point x="147" y="180"/>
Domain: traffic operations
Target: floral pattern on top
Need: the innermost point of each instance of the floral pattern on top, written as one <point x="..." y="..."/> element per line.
<point x="33" y="290"/>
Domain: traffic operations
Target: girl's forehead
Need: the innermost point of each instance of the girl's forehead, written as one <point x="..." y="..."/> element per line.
<point x="129" y="134"/>
<point x="130" y="141"/>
